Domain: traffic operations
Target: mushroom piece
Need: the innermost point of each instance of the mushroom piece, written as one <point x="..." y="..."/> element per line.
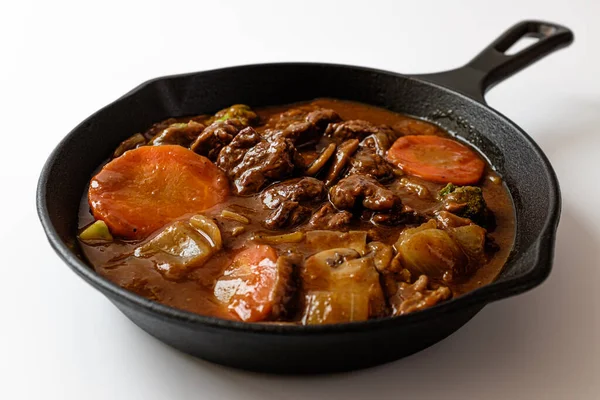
<point x="294" y="237"/>
<point x="321" y="160"/>
<point x="340" y="160"/>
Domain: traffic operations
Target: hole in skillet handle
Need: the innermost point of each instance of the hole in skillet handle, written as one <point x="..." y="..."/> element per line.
<point x="522" y="44"/>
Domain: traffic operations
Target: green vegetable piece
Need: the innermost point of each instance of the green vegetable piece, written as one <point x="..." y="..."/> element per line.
<point x="96" y="231"/>
<point x="241" y="112"/>
<point x="449" y="188"/>
<point x="465" y="201"/>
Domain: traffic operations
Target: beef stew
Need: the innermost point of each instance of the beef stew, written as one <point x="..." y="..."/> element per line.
<point x="321" y="212"/>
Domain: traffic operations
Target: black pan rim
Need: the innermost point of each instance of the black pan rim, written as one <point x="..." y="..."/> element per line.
<point x="540" y="265"/>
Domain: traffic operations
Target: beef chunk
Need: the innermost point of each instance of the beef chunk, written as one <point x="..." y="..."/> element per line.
<point x="356" y="129"/>
<point x="366" y="161"/>
<point x="399" y="214"/>
<point x="301" y="126"/>
<point x="180" y="133"/>
<point x="216" y="136"/>
<point x="380" y="142"/>
<point x="289" y="213"/>
<point x="252" y="161"/>
<point x="288" y="200"/>
<point x="283" y="120"/>
<point x="418" y="296"/>
<point x="299" y="189"/>
<point x="233" y="153"/>
<point x="381" y="205"/>
<point x="321" y="118"/>
<point x="362" y="190"/>
<point x="327" y="217"/>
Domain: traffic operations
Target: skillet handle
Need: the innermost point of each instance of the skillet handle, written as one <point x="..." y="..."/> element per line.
<point x="493" y="65"/>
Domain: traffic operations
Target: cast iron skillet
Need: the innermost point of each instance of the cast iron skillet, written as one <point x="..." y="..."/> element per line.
<point x="452" y="99"/>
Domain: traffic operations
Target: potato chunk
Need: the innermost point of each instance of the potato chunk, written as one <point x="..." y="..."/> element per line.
<point x="182" y="246"/>
<point x="345" y="278"/>
<point x="326" y="307"/>
<point x="426" y="250"/>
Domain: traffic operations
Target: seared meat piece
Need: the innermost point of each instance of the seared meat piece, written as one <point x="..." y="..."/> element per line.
<point x="299" y="189"/>
<point x="366" y="161"/>
<point x="418" y="296"/>
<point x="356" y="129"/>
<point x="180" y="133"/>
<point x="362" y="189"/>
<point x="252" y="161"/>
<point x="212" y="139"/>
<point x="380" y="142"/>
<point x="321" y="118"/>
<point x="400" y="214"/>
<point x="287" y="199"/>
<point x="301" y="126"/>
<point x="288" y="214"/>
<point x="329" y="218"/>
<point x="382" y="206"/>
<point x="233" y="153"/>
<point x="283" y="120"/>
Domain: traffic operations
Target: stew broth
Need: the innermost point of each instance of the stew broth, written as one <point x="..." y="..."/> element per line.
<point x="195" y="289"/>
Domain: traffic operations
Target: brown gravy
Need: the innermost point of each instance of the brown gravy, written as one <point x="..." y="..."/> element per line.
<point x="195" y="292"/>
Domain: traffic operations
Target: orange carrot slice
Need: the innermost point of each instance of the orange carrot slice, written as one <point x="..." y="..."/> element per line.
<point x="253" y="284"/>
<point x="149" y="187"/>
<point x="436" y="159"/>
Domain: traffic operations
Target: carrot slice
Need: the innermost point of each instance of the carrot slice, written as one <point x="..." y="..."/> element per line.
<point x="253" y="284"/>
<point x="148" y="187"/>
<point x="436" y="159"/>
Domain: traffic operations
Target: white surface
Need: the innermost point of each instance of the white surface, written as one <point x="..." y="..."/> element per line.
<point x="60" y="339"/>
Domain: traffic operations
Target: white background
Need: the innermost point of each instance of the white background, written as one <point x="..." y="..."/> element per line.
<point x="61" y="61"/>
